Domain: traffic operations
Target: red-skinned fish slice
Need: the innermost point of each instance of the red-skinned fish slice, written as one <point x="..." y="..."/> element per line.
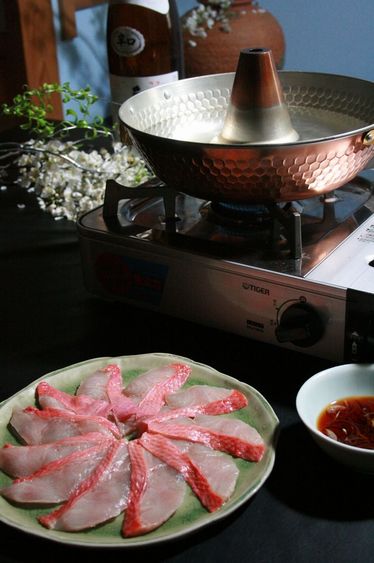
<point x="141" y="385"/>
<point x="234" y="401"/>
<point x="123" y="406"/>
<point x="101" y="498"/>
<point x="199" y="395"/>
<point x="152" y="402"/>
<point x="96" y="384"/>
<point x="20" y="461"/>
<point x="250" y="447"/>
<point x="36" y="426"/>
<point x="56" y="519"/>
<point x="49" y="397"/>
<point x="132" y="523"/>
<point x="163" y="448"/>
<point x="218" y="468"/>
<point x="107" y="384"/>
<point x="157" y="491"/>
<point x="55" y="481"/>
<point x="149" y="395"/>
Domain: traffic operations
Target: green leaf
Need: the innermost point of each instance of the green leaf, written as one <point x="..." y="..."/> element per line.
<point x="33" y="104"/>
<point x="72" y="112"/>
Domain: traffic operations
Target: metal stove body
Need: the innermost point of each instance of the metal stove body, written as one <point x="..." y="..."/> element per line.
<point x="303" y="280"/>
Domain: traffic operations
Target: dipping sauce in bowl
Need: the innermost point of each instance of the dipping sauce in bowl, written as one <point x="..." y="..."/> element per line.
<point x="349" y="420"/>
<point x="341" y="399"/>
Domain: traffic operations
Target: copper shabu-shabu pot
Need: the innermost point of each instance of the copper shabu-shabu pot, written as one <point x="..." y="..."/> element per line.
<point x="256" y="135"/>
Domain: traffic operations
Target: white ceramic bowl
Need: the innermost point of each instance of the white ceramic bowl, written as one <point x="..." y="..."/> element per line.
<point x="330" y="385"/>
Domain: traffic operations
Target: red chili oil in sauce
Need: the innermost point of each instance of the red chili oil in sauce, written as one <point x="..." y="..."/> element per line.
<point x="350" y="421"/>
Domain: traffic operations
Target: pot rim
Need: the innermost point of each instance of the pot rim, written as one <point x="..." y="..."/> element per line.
<point x="178" y="86"/>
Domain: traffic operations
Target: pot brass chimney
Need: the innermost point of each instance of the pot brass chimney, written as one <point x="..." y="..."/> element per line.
<point x="257" y="113"/>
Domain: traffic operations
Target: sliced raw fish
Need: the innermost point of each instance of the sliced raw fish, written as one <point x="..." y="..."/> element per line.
<point x="123" y="406"/>
<point x="55" y="481"/>
<point x="36" y="426"/>
<point x="160" y="383"/>
<point x="152" y="402"/>
<point x="148" y="392"/>
<point x="229" y="435"/>
<point x="218" y="468"/>
<point x="157" y="382"/>
<point x="167" y="451"/>
<point x="49" y="397"/>
<point x="100" y="497"/>
<point x="232" y="401"/>
<point x="106" y="384"/>
<point x="123" y="409"/>
<point x="20" y="461"/>
<point x="198" y="395"/>
<point x="76" y="453"/>
<point x="96" y="384"/>
<point x="157" y="491"/>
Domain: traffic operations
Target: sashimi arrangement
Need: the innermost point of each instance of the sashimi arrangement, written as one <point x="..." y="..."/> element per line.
<point x="130" y="449"/>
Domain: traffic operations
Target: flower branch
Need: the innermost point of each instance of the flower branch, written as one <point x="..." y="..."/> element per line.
<point x="68" y="176"/>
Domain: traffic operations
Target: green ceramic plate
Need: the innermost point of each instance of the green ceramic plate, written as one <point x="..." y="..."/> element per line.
<point x="191" y="515"/>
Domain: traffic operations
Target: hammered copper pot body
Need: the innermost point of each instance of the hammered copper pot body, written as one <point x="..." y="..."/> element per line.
<point x="334" y="116"/>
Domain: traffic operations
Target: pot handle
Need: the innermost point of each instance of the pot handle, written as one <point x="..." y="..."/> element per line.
<point x="368" y="140"/>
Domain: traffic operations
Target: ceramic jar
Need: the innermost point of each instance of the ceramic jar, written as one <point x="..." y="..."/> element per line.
<point x="249" y="26"/>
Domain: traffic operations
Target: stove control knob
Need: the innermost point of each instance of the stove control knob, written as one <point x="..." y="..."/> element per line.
<point x="300" y="324"/>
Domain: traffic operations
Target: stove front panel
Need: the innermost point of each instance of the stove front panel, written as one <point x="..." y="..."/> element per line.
<point x="277" y="309"/>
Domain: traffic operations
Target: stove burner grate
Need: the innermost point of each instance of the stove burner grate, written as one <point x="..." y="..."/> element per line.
<point x="273" y="225"/>
<point x="271" y="230"/>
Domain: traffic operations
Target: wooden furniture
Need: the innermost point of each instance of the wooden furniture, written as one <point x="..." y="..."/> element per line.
<point x="67" y="15"/>
<point x="28" y="53"/>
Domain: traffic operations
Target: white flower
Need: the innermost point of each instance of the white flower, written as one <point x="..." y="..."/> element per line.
<point x="203" y="18"/>
<point x="69" y="181"/>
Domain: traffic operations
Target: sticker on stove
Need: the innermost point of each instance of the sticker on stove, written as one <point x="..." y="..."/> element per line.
<point x="131" y="278"/>
<point x="367" y="235"/>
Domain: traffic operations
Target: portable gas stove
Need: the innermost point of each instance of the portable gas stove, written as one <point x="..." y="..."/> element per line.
<point x="298" y="275"/>
<point x="260" y="223"/>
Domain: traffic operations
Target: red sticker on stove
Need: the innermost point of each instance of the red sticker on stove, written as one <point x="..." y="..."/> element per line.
<point x="131" y="278"/>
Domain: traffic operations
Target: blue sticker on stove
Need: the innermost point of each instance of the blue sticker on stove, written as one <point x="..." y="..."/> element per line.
<point x="131" y="278"/>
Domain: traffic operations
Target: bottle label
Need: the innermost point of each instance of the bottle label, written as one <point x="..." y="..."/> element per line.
<point x="161" y="6"/>
<point x="126" y="41"/>
<point x="123" y="87"/>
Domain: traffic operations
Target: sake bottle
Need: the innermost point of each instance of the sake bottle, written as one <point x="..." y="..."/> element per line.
<point x="144" y="45"/>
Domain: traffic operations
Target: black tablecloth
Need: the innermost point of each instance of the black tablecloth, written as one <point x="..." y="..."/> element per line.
<point x="310" y="509"/>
